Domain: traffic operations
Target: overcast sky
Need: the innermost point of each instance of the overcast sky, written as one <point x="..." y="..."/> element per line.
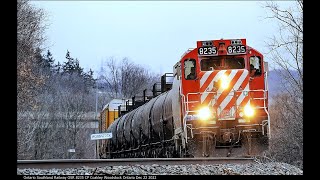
<point x="151" y="33"/>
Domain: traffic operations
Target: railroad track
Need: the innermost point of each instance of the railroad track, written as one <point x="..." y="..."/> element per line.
<point x="77" y="163"/>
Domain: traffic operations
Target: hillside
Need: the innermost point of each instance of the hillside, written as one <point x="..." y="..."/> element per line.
<point x="275" y="82"/>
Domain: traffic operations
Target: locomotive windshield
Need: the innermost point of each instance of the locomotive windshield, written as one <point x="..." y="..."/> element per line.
<point x="222" y="62"/>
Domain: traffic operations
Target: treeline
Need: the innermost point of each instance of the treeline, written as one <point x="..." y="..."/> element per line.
<point x="55" y="118"/>
<point x="52" y="99"/>
<point x="286" y="109"/>
<point x="56" y="102"/>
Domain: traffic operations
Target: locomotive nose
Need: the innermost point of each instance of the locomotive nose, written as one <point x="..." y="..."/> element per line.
<point x="223" y="82"/>
<point x="223" y="90"/>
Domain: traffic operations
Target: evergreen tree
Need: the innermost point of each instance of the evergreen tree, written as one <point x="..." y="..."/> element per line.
<point x="49" y="60"/>
<point x="72" y="65"/>
<point x="58" y="68"/>
<point x="89" y="80"/>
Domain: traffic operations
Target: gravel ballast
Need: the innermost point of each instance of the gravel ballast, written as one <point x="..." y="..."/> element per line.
<point x="270" y="168"/>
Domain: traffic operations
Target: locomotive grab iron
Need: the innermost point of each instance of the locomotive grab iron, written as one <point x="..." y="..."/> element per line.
<point x="216" y="105"/>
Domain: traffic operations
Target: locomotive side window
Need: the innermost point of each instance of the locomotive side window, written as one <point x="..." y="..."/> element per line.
<point x="255" y="66"/>
<point x="190" y="69"/>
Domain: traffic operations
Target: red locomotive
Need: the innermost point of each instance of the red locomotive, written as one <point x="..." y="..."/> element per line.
<point x="217" y="106"/>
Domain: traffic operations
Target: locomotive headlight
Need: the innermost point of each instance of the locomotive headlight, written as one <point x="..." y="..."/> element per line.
<point x="225" y="81"/>
<point x="248" y="111"/>
<point x="204" y="113"/>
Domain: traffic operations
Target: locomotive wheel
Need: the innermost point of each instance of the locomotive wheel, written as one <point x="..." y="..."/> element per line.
<point x="205" y="146"/>
<point x="194" y="147"/>
<point x="202" y="146"/>
<point x="254" y="144"/>
<point x="249" y="143"/>
<point x="208" y="146"/>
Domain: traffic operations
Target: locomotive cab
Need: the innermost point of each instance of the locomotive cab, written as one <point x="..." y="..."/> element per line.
<point x="224" y="97"/>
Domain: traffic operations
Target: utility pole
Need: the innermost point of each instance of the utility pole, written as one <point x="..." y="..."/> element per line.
<point x="96" y="128"/>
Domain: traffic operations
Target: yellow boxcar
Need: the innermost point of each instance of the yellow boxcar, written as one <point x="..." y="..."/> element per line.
<point x="108" y="114"/>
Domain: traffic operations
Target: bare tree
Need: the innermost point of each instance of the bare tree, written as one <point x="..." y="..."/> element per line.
<point x="110" y="75"/>
<point x="73" y="104"/>
<point x="125" y="79"/>
<point x="58" y="119"/>
<point x="287" y="110"/>
<point x="51" y="104"/>
<point x="286" y="47"/>
<point x="30" y="36"/>
<point x="25" y="134"/>
<point x="287" y="137"/>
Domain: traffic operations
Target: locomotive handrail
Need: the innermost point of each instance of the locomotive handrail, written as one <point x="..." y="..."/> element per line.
<point x="186" y="101"/>
<point x="184" y="117"/>
<point x="265" y="109"/>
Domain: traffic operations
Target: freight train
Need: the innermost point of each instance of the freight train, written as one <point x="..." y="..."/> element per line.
<point x="215" y="103"/>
